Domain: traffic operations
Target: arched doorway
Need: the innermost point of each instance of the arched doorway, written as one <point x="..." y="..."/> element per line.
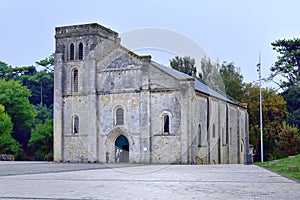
<point x="122" y="147"/>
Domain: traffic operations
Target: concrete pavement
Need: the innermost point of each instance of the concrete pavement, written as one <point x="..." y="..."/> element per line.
<point x="42" y="180"/>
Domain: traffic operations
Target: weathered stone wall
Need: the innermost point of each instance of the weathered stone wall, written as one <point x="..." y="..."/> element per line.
<point x="166" y="149"/>
<point x="165" y="103"/>
<point x="159" y="80"/>
<point x="81" y="146"/>
<point x="243" y="139"/>
<point x="199" y="130"/>
<point x="85" y="140"/>
<point x="233" y="135"/>
<point x="130" y="102"/>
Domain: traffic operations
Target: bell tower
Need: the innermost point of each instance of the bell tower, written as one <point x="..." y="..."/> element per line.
<point x="77" y="50"/>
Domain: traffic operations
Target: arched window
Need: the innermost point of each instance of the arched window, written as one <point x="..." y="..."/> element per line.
<point x="72" y="51"/>
<point x="80" y="52"/>
<point x="166" y="124"/>
<point x="119" y="116"/>
<point x="75" y="80"/>
<point x="75" y="124"/>
<point x="199" y="135"/>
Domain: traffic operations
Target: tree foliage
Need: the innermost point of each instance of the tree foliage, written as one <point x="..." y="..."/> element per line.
<point x="27" y="94"/>
<point x="14" y="97"/>
<point x="232" y="79"/>
<point x="288" y="63"/>
<point x="41" y="141"/>
<point x="40" y="83"/>
<point x="288" y="66"/>
<point x="8" y="145"/>
<point x="287" y="142"/>
<point x="274" y="112"/>
<point x="210" y="74"/>
<point x="184" y="64"/>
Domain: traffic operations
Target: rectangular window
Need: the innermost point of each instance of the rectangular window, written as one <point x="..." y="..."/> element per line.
<point x="230" y="136"/>
<point x="72" y="51"/>
<point x="119" y="116"/>
<point x="75" y="81"/>
<point x="166" y="124"/>
<point x="80" y="54"/>
<point x="214" y="131"/>
<point x="75" y="124"/>
<point x="199" y="136"/>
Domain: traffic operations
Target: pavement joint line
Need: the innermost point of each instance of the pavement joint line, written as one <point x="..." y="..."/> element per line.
<point x="157" y="181"/>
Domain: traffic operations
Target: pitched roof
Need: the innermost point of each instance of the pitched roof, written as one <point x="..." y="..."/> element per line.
<point x="176" y="74"/>
<point x="198" y="85"/>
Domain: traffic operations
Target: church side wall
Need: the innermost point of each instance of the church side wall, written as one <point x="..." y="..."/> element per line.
<point x="243" y="139"/>
<point x="222" y="132"/>
<point x="199" y="130"/>
<point x="233" y="127"/>
<point x="166" y="147"/>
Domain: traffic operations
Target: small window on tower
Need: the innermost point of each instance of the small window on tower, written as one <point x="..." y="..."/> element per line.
<point x="80" y="53"/>
<point x="166" y="124"/>
<point x="75" y="80"/>
<point x="75" y="124"/>
<point x="72" y="51"/>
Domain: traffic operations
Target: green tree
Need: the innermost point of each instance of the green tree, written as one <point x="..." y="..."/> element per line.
<point x="41" y="85"/>
<point x="274" y="112"/>
<point x="6" y="72"/>
<point x="14" y="97"/>
<point x="292" y="96"/>
<point x="8" y="145"/>
<point x="184" y="64"/>
<point x="288" y="63"/>
<point x="232" y="79"/>
<point x="287" y="142"/>
<point x="210" y="74"/>
<point x="293" y="118"/>
<point x="41" y="141"/>
<point x="47" y="63"/>
<point x="288" y="66"/>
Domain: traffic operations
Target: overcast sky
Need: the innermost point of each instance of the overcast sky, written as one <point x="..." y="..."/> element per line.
<point x="232" y="30"/>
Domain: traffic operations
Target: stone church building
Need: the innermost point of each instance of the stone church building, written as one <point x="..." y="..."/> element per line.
<point x="109" y="100"/>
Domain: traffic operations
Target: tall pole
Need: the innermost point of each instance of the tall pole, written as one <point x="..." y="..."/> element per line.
<point x="260" y="112"/>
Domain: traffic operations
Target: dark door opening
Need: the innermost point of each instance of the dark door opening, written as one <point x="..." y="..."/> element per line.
<point x="122" y="149"/>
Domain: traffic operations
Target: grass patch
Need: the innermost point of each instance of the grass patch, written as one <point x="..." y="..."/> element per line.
<point x="281" y="166"/>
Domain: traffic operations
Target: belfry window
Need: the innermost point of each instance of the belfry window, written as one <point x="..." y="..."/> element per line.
<point x="72" y="51"/>
<point x="119" y="116"/>
<point x="166" y="124"/>
<point x="80" y="52"/>
<point x="75" y="80"/>
<point x="75" y="124"/>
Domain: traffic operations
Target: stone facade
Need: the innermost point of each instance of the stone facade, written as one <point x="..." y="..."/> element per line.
<point x="108" y="99"/>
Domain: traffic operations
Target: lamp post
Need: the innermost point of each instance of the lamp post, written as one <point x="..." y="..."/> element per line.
<point x="260" y="111"/>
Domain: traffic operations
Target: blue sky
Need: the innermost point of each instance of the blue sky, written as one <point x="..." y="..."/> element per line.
<point x="232" y="30"/>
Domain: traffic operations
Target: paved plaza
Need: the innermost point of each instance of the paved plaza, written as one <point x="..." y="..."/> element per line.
<point x="42" y="180"/>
